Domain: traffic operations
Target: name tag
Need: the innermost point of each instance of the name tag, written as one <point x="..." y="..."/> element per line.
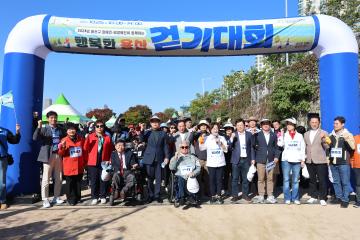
<point x="336" y="152"/>
<point x="139" y="153"/>
<point x="215" y="152"/>
<point x="293" y="145"/>
<point x="358" y="148"/>
<point x="75" y="152"/>
<point x="184" y="170"/>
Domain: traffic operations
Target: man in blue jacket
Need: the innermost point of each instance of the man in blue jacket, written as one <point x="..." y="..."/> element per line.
<point x="242" y="154"/>
<point x="156" y="153"/>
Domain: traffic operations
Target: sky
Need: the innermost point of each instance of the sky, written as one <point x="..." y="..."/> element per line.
<point x="90" y="81"/>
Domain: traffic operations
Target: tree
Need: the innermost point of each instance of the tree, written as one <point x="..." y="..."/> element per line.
<point x="168" y="112"/>
<point x="138" y="114"/>
<point x="103" y="114"/>
<point x="291" y="96"/>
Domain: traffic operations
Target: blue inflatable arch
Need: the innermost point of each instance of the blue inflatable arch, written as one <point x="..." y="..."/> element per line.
<point x="33" y="38"/>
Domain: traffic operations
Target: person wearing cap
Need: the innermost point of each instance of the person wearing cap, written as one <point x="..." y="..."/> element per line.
<point x="355" y="167"/>
<point x="293" y="158"/>
<point x="120" y="131"/>
<point x="229" y="137"/>
<point x="341" y="147"/>
<point x="156" y="153"/>
<point x="316" y="161"/>
<point x="199" y="137"/>
<point x="164" y="127"/>
<point x="215" y="146"/>
<point x="71" y="148"/>
<point x="266" y="158"/>
<point x="98" y="148"/>
<point x="242" y="154"/>
<point x="49" y="138"/>
<point x="186" y="166"/>
<point x="252" y="125"/>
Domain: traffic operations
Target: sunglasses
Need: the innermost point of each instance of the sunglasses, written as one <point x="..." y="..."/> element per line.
<point x="172" y="128"/>
<point x="184" y="147"/>
<point x="99" y="126"/>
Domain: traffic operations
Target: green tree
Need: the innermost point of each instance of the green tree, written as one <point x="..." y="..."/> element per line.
<point x="168" y="112"/>
<point x="292" y="96"/>
<point x="138" y="114"/>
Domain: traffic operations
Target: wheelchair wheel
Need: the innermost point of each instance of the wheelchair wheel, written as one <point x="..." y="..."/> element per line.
<point x="171" y="188"/>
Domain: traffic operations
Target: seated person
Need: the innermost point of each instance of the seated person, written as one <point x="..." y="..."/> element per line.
<point x="123" y="161"/>
<point x="186" y="165"/>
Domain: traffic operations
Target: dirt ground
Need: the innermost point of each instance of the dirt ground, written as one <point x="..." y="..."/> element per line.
<point x="228" y="221"/>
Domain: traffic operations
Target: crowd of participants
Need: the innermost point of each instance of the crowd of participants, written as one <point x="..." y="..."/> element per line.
<point x="247" y="161"/>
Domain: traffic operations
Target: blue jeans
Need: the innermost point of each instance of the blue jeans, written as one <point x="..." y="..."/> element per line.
<point x="294" y="168"/>
<point x="341" y="183"/>
<point x="180" y="193"/>
<point x="3" y="168"/>
<point x="241" y="168"/>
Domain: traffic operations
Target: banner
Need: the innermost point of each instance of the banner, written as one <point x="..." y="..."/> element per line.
<point x="116" y="37"/>
<point x="7" y="100"/>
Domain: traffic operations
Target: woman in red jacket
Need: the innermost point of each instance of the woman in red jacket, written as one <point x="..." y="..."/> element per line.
<point x="71" y="148"/>
<point x="98" y="147"/>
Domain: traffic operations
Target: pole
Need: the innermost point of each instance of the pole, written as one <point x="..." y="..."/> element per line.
<point x="286" y="15"/>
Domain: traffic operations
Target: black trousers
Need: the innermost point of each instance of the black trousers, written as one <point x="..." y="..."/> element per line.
<point x="153" y="171"/>
<point x="356" y="172"/>
<point x="227" y="173"/>
<point x="318" y="172"/>
<point x="98" y="187"/>
<point x="216" y="175"/>
<point x="73" y="188"/>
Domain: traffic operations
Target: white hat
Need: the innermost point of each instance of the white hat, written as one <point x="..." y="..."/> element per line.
<point x="192" y="185"/>
<point x="228" y="125"/>
<point x="155" y="117"/>
<point x="291" y="120"/>
<point x="203" y="122"/>
<point x="265" y="120"/>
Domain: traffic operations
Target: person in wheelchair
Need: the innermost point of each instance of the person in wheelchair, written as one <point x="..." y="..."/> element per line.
<point x="186" y="166"/>
<point x="124" y="162"/>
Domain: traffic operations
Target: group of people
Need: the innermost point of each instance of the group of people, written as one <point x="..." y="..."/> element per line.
<point x="207" y="160"/>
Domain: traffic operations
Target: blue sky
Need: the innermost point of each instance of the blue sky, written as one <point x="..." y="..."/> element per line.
<point x="120" y="82"/>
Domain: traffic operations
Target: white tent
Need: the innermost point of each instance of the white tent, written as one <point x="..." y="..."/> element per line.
<point x="111" y="121"/>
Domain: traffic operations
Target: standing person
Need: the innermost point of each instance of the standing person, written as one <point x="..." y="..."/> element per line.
<point x="229" y="137"/>
<point x="6" y="136"/>
<point x="156" y="153"/>
<point x="316" y="161"/>
<point x="252" y="125"/>
<point x="215" y="146"/>
<point x="71" y="148"/>
<point x="355" y="167"/>
<point x="242" y="154"/>
<point x="49" y="138"/>
<point x="181" y="135"/>
<point x="341" y="146"/>
<point x="186" y="166"/>
<point x="293" y="158"/>
<point x="280" y="137"/>
<point x="98" y="147"/>
<point x="188" y="124"/>
<point x="266" y="157"/>
<point x="201" y="155"/>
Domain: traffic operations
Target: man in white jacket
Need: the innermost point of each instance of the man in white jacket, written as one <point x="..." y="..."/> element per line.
<point x="293" y="158"/>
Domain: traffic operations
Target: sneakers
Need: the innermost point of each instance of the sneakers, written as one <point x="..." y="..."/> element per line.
<point x="102" y="200"/>
<point x="288" y="202"/>
<point x="259" y="199"/>
<point x="234" y="199"/>
<point x="57" y="200"/>
<point x="46" y="203"/>
<point x="219" y="200"/>
<point x="344" y="204"/>
<point x="212" y="200"/>
<point x="323" y="203"/>
<point x="311" y="201"/>
<point x="357" y="205"/>
<point x="271" y="199"/>
<point x="94" y="202"/>
<point x="297" y="202"/>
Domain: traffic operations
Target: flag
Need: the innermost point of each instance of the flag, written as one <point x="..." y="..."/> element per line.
<point x="7" y="100"/>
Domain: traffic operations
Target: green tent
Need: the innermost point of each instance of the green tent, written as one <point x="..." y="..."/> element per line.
<point x="64" y="110"/>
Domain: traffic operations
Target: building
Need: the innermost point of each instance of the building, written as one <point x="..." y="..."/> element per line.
<point x="304" y="8"/>
<point x="259" y="62"/>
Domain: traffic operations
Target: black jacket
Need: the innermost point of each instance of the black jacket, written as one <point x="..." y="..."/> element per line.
<point x="130" y="160"/>
<point x="265" y="152"/>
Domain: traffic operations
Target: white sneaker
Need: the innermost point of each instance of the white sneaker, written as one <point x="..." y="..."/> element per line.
<point x="239" y="194"/>
<point x="271" y="199"/>
<point x="57" y="200"/>
<point x="297" y="202"/>
<point x="94" y="202"/>
<point x="46" y="203"/>
<point x="288" y="202"/>
<point x="103" y="200"/>
<point x="323" y="203"/>
<point x="259" y="199"/>
<point x="312" y="200"/>
<point x="222" y="192"/>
